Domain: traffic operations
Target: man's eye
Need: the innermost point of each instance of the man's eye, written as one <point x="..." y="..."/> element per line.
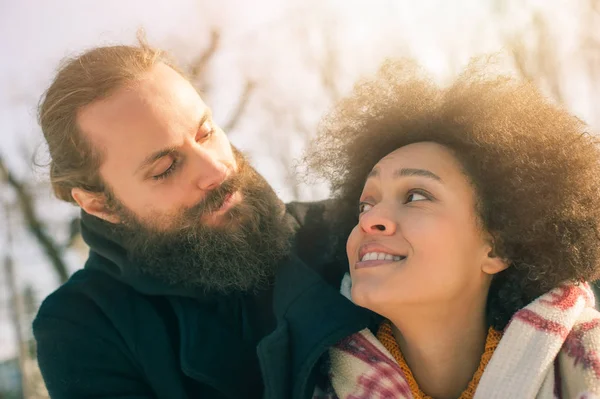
<point x="167" y="172"/>
<point x="364" y="206"/>
<point x="206" y="130"/>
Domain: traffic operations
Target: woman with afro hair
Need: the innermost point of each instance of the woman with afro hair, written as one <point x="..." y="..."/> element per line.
<point x="472" y="216"/>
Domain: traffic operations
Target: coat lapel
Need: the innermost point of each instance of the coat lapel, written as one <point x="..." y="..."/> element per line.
<point x="312" y="316"/>
<point x="211" y="353"/>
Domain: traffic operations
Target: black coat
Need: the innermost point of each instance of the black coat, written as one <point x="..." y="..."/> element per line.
<point x="112" y="333"/>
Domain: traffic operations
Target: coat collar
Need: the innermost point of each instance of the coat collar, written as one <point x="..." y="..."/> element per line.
<point x="311" y="316"/>
<point x="213" y="352"/>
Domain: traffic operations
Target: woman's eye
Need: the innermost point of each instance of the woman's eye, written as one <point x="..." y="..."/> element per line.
<point x="363" y="207"/>
<point x="415" y="196"/>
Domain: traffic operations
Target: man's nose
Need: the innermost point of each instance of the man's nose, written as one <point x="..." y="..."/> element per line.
<point x="211" y="172"/>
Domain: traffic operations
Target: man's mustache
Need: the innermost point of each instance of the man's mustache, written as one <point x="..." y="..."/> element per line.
<point x="215" y="198"/>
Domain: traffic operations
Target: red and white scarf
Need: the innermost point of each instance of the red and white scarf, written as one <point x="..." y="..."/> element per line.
<point x="549" y="350"/>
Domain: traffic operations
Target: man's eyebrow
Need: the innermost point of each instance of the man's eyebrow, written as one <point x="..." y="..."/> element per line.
<point x="149" y="160"/>
<point x="155" y="156"/>
<point x="408" y="172"/>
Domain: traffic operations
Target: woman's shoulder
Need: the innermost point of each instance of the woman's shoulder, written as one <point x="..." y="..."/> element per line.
<point x="578" y="362"/>
<point x="582" y="344"/>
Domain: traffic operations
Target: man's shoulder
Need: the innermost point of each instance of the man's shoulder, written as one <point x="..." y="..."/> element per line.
<point x="87" y="296"/>
<point x="318" y="239"/>
<point x="314" y="212"/>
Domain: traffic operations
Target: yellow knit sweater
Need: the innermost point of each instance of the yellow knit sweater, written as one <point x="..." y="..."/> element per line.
<point x="386" y="337"/>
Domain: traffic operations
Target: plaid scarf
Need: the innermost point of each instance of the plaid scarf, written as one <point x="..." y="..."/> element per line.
<point x="549" y="350"/>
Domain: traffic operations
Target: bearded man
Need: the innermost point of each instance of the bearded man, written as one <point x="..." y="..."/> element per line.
<point x="198" y="276"/>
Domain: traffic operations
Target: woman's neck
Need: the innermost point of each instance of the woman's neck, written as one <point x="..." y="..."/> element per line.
<point x="442" y="346"/>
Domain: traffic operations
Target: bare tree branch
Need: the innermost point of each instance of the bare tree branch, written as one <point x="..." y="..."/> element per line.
<point x="240" y="107"/>
<point x="329" y="68"/>
<point x="518" y="52"/>
<point x="34" y="224"/>
<point x="74" y="231"/>
<point x="326" y="62"/>
<point x="547" y="59"/>
<point x="540" y="64"/>
<point x="198" y="66"/>
<point x="17" y="310"/>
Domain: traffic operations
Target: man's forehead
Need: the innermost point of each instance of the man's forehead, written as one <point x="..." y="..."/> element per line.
<point x="158" y="104"/>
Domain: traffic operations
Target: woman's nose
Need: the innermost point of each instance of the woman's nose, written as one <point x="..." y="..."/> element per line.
<point x="378" y="221"/>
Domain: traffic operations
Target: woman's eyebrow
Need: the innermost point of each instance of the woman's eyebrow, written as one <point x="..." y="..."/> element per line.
<point x="404" y="172"/>
<point x="416" y="172"/>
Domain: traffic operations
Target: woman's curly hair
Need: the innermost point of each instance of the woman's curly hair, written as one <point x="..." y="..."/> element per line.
<point x="534" y="167"/>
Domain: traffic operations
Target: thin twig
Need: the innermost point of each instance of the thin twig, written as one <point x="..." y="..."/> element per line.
<point x="240" y="107"/>
<point x="34" y="224"/>
<point x="199" y="64"/>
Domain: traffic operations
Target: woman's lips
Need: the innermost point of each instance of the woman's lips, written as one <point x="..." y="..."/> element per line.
<point x="374" y="263"/>
<point x="372" y="254"/>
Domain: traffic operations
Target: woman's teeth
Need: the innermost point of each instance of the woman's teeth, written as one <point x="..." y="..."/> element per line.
<point x="381" y="256"/>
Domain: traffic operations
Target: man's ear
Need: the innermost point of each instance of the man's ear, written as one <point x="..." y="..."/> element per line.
<point x="94" y="204"/>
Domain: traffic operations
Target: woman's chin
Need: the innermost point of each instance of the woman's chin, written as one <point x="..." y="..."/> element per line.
<point x="370" y="296"/>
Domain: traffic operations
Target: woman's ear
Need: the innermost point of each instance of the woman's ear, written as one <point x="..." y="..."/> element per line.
<point x="94" y="204"/>
<point x="493" y="264"/>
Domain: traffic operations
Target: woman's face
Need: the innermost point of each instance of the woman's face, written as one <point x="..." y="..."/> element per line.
<point x="418" y="240"/>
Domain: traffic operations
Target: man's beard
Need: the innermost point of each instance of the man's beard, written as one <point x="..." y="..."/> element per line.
<point x="239" y="254"/>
